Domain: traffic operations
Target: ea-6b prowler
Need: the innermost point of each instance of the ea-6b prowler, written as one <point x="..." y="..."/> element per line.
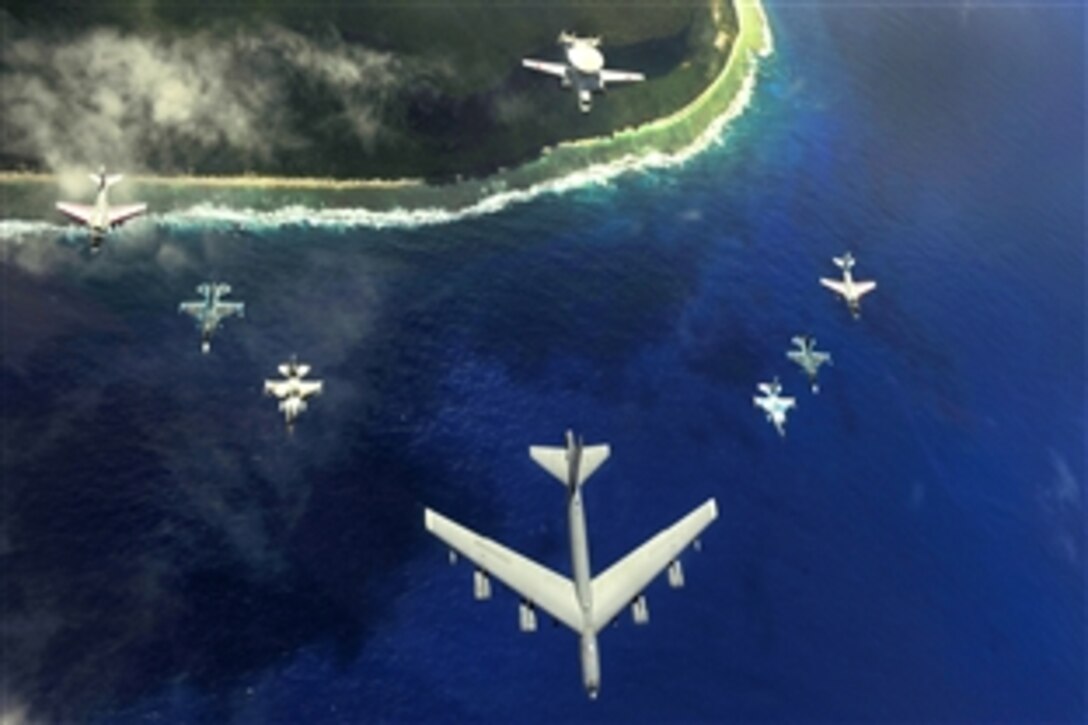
<point x="850" y="289"/>
<point x="583" y="70"/>
<point x="583" y="602"/>
<point x="101" y="217"/>
<point x="211" y="310"/>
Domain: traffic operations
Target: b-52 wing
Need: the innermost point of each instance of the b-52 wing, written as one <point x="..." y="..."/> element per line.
<point x="621" y="583"/>
<point x="535" y="583"/>
<point x="555" y="69"/>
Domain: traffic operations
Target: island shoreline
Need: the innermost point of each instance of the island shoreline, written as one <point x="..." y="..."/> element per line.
<point x="668" y="141"/>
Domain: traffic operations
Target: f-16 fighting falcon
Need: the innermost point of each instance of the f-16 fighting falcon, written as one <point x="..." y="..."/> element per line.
<point x="210" y="311"/>
<point x="775" y="406"/>
<point x="583" y="70"/>
<point x="101" y="217"/>
<point x="850" y="289"/>
<point x="808" y="358"/>
<point x="293" y="390"/>
<point x="583" y="602"/>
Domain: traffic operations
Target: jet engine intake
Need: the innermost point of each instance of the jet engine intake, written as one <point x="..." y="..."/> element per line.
<point x="640" y="611"/>
<point x="676" y="575"/>
<point x="526" y="617"/>
<point x="481" y="585"/>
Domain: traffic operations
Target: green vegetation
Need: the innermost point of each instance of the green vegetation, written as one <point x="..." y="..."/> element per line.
<point x="457" y="102"/>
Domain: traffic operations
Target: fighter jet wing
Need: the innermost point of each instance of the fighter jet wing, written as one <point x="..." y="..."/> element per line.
<point x="278" y="388"/>
<point x="79" y="212"/>
<point x="196" y="309"/>
<point x="537" y="584"/>
<point x="226" y="309"/>
<point x="555" y="69"/>
<point x="620" y="76"/>
<point x="621" y="583"/>
<point x="306" y="388"/>
<point x="119" y="214"/>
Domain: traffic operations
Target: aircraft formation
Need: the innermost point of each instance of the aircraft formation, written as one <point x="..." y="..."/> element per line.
<point x="769" y="398"/>
<point x="583" y="602"/>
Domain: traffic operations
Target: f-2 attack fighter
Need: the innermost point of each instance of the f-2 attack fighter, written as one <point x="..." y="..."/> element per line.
<point x="848" y="287"/>
<point x="101" y="217"/>
<point x="774" y="405"/>
<point x="583" y="602"/>
<point x="583" y="70"/>
<point x="808" y="358"/>
<point x="293" y="390"/>
<point x="211" y="310"/>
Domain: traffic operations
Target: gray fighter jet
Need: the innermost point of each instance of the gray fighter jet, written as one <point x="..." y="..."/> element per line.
<point x="850" y="289"/>
<point x="583" y="602"/>
<point x="808" y="358"/>
<point x="583" y="70"/>
<point x="774" y="405"/>
<point x="293" y="390"/>
<point x="101" y="217"/>
<point x="211" y="310"/>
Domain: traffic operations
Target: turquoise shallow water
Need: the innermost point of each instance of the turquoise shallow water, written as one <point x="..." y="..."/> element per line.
<point x="914" y="549"/>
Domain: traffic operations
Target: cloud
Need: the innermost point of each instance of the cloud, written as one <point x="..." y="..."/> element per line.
<point x="172" y="102"/>
<point x="1062" y="502"/>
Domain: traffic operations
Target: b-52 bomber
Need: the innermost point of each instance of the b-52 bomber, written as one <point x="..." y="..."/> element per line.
<point x="774" y="405"/>
<point x="211" y="310"/>
<point x="850" y="289"/>
<point x="101" y="217"/>
<point x="583" y="602"/>
<point x="808" y="358"/>
<point x="293" y="390"/>
<point x="583" y="70"/>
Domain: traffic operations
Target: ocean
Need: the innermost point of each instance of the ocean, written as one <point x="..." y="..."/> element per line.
<point x="912" y="550"/>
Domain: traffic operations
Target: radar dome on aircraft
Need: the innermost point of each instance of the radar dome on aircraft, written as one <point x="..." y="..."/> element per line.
<point x="585" y="58"/>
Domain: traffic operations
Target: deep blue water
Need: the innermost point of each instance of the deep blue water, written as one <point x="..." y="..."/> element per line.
<point x="913" y="550"/>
